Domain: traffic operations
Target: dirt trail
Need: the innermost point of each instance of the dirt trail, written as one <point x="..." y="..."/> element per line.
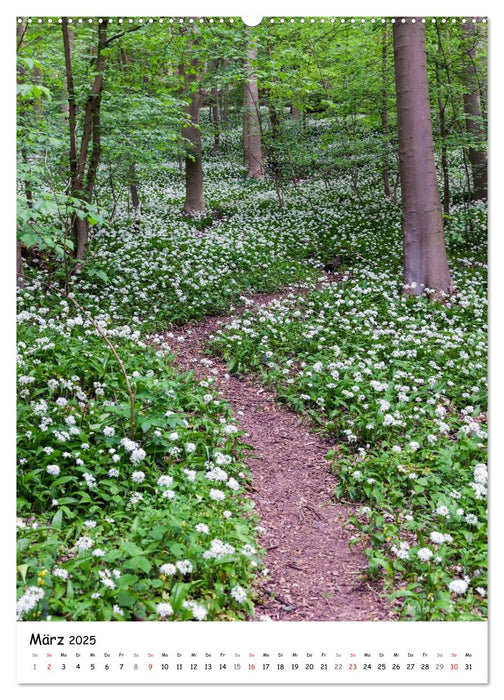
<point x="313" y="573"/>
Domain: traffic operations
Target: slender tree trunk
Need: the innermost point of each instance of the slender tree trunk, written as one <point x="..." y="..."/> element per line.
<point x="135" y="199"/>
<point x="424" y="253"/>
<point x="19" y="264"/>
<point x="85" y="159"/>
<point x="72" y="107"/>
<point x="473" y="116"/>
<point x="224" y="106"/>
<point x="443" y="133"/>
<point x="20" y="32"/>
<point x="296" y="114"/>
<point x="216" y="120"/>
<point x="274" y="119"/>
<point x="194" y="199"/>
<point x="385" y="115"/>
<point x="251" y="119"/>
<point x="68" y="50"/>
<point x="456" y="121"/>
<point x="133" y="186"/>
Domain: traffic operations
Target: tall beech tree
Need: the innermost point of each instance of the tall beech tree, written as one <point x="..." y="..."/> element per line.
<point x="473" y="115"/>
<point x="252" y="145"/>
<point x="194" y="197"/>
<point x="424" y="253"/>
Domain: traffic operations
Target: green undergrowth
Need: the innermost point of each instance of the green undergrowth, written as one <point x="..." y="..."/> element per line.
<point x="399" y="384"/>
<point x="153" y="521"/>
<point x="121" y="522"/>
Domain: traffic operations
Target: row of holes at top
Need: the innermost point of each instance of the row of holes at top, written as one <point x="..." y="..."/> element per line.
<point x="254" y="21"/>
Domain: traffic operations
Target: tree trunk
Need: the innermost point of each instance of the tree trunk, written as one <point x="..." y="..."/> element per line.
<point x="216" y="120"/>
<point x="424" y="253"/>
<point x="133" y="186"/>
<point x="296" y="114"/>
<point x="194" y="200"/>
<point x="473" y="116"/>
<point x="443" y="133"/>
<point x="274" y="119"/>
<point x="251" y="117"/>
<point x="135" y="199"/>
<point x="385" y="115"/>
<point x="20" y="32"/>
<point x="85" y="159"/>
<point x="65" y="105"/>
<point x="19" y="264"/>
<point x="80" y="229"/>
<point x="72" y="107"/>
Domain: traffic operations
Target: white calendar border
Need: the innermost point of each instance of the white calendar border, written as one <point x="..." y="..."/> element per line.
<point x="256" y="8"/>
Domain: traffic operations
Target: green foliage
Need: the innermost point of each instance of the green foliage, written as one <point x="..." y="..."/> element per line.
<point x="399" y="384"/>
<point x="99" y="515"/>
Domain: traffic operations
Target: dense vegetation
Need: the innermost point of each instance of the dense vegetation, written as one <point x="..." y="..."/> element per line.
<point x="132" y="486"/>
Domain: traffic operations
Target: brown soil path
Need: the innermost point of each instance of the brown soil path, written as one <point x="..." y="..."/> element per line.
<point x="313" y="573"/>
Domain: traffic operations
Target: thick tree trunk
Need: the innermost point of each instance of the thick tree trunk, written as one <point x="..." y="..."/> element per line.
<point x="424" y="253"/>
<point x="80" y="230"/>
<point x="194" y="200"/>
<point x="251" y="117"/>
<point x="385" y="116"/>
<point x="473" y="116"/>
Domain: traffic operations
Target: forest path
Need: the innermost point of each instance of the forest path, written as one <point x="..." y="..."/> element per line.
<point x="313" y="573"/>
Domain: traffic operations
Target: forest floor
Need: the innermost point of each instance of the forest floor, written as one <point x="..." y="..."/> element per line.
<point x="363" y="495"/>
<point x="313" y="571"/>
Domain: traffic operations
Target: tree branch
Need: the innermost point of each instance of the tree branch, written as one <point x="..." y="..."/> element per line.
<point x="118" y="36"/>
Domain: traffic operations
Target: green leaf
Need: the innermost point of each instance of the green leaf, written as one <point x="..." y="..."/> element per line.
<point x="138" y="564"/>
<point x="125" y="598"/>
<point x="132" y="549"/>
<point x="23" y="568"/>
<point x="70" y="590"/>
<point x="178" y="593"/>
<point x="57" y="520"/>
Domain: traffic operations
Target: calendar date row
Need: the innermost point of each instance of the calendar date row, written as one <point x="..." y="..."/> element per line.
<point x="196" y="667"/>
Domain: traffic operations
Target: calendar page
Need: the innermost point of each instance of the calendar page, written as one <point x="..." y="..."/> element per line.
<point x="251" y="348"/>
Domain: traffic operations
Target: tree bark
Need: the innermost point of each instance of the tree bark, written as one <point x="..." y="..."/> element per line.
<point x="133" y="186"/>
<point x="424" y="252"/>
<point x="72" y="107"/>
<point x="68" y="50"/>
<point x="296" y="114"/>
<point x="85" y="159"/>
<point x="194" y="200"/>
<point x="251" y="117"/>
<point x="473" y="116"/>
<point x="385" y="116"/>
